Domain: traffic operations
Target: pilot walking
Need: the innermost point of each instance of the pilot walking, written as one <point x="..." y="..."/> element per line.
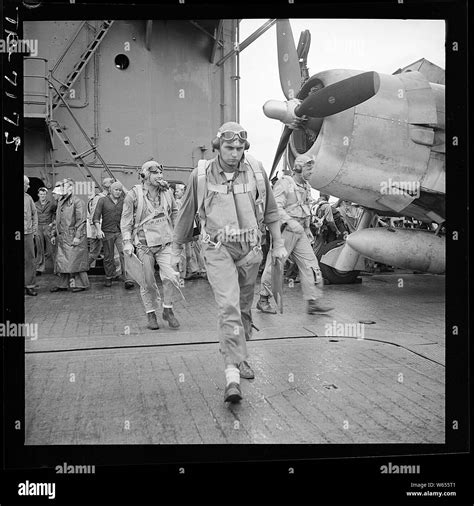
<point x="293" y="197"/>
<point x="234" y="200"/>
<point x="149" y="212"/>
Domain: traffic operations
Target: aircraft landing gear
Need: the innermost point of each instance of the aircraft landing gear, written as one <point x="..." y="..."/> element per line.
<point x="332" y="275"/>
<point x="343" y="265"/>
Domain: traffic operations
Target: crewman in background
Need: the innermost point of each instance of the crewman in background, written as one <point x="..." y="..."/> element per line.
<point x="71" y="237"/>
<point x="30" y="219"/>
<point x="107" y="217"/>
<point x="95" y="243"/>
<point x="46" y="209"/>
<point x="293" y="197"/>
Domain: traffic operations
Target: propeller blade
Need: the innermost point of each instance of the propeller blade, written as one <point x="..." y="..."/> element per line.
<point x="284" y="139"/>
<point x="303" y="48"/>
<point x="288" y="65"/>
<point x="303" y="45"/>
<point x="340" y="96"/>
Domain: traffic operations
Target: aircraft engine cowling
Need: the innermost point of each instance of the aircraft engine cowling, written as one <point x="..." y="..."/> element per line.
<point x="417" y="250"/>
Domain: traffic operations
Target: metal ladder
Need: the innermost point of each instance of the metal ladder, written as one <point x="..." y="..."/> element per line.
<point x="75" y="155"/>
<point x="84" y="59"/>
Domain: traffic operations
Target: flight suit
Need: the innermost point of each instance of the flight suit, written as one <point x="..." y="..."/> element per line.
<point x="293" y="202"/>
<point x="231" y="217"/>
<point x="152" y="234"/>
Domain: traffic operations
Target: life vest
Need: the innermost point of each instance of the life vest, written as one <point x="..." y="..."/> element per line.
<point x="235" y="211"/>
<point x="321" y="209"/>
<point x="301" y="208"/>
<point x="155" y="223"/>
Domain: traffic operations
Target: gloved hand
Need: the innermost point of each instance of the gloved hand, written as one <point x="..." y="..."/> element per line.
<point x="163" y="185"/>
<point x="128" y="248"/>
<point x="294" y="226"/>
<point x="279" y="251"/>
<point x="176" y="250"/>
<point x="100" y="235"/>
<point x="76" y="241"/>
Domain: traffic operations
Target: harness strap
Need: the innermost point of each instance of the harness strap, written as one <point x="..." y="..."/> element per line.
<point x="152" y="215"/>
<point x="238" y="188"/>
<point x="293" y="206"/>
<point x="140" y="204"/>
<point x="148" y="218"/>
<point x="261" y="187"/>
<point x="254" y="251"/>
<point x="201" y="182"/>
<point x="244" y="188"/>
<point x="219" y="188"/>
<point x="235" y="189"/>
<point x="299" y="200"/>
<point x="203" y="185"/>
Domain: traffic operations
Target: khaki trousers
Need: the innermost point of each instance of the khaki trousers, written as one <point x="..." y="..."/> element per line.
<point x="300" y="251"/>
<point x="161" y="255"/>
<point x="233" y="288"/>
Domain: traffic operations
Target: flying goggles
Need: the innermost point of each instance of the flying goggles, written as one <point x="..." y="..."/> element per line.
<point x="309" y="163"/>
<point x="156" y="168"/>
<point x="229" y="135"/>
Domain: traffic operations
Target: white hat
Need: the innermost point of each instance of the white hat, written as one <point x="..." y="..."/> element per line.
<point x="58" y="189"/>
<point x="116" y="184"/>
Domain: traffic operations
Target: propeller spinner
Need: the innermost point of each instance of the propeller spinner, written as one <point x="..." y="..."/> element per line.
<point x="329" y="100"/>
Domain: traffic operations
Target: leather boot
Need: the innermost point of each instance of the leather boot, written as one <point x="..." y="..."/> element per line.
<point x="232" y="393"/>
<point x="169" y="316"/>
<point x="264" y="305"/>
<point x="318" y="306"/>
<point x="152" y="321"/>
<point x="246" y="371"/>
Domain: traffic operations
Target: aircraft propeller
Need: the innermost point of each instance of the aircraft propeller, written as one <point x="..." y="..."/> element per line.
<point x="288" y="66"/>
<point x="338" y="97"/>
<point x="326" y="101"/>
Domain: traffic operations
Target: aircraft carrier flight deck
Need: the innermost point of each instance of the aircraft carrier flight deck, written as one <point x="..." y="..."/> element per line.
<point x="96" y="375"/>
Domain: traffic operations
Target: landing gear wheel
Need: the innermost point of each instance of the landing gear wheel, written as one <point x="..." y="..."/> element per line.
<point x="331" y="275"/>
